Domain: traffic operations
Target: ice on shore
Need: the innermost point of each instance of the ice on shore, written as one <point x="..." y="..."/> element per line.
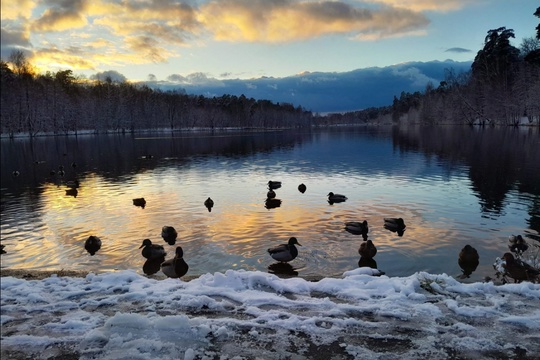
<point x="250" y="314"/>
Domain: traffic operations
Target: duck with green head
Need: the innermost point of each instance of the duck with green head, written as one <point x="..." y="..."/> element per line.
<point x="285" y="252"/>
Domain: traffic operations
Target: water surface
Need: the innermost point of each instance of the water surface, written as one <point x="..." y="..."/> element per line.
<point x="452" y="186"/>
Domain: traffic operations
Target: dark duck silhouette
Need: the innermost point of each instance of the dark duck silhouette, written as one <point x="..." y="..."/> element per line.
<point x="302" y="188"/>
<point x="2" y="247"/>
<point x="336" y="198"/>
<point x="519" y="270"/>
<point x="517" y="244"/>
<point x="272" y="203"/>
<point x="357" y="228"/>
<point x="150" y="267"/>
<point x="285" y="252"/>
<point x="92" y="244"/>
<point x="209" y="203"/>
<point x="175" y="267"/>
<point x="367" y="249"/>
<point x="468" y="260"/>
<point x="271" y="194"/>
<point x="272" y="185"/>
<point x="396" y="225"/>
<point x="169" y="234"/>
<point x="139" y="202"/>
<point x="367" y="262"/>
<point x="152" y="251"/>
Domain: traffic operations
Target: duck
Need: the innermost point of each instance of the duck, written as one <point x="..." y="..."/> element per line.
<point x="367" y="262"/>
<point x="74" y="184"/>
<point x="175" y="267"/>
<point x="92" y="244"/>
<point x="336" y="198"/>
<point x="2" y="247"/>
<point x="139" y="202"/>
<point x="169" y="234"/>
<point x="72" y="192"/>
<point x="271" y="194"/>
<point x="209" y="203"/>
<point x="395" y="225"/>
<point x="367" y="250"/>
<point x="285" y="252"/>
<point x="468" y="260"/>
<point x="357" y="228"/>
<point x="517" y="244"/>
<point x="152" y="251"/>
<point x="272" y="185"/>
<point x="150" y="267"/>
<point x="15" y="173"/>
<point x="519" y="270"/>
<point x="302" y="188"/>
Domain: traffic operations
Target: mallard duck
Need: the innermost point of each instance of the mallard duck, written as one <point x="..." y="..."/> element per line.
<point x="519" y="270"/>
<point x="152" y="251"/>
<point x="92" y="244"/>
<point x="150" y="267"/>
<point x="175" y="267"/>
<point x="367" y="249"/>
<point x="139" y="202"/>
<point x="468" y="260"/>
<point x="271" y="194"/>
<point x="302" y="188"/>
<point x="209" y="203"/>
<point x="517" y="244"/>
<point x="367" y="262"/>
<point x="274" y="185"/>
<point x="336" y="198"/>
<point x="357" y="228"/>
<point x="395" y="225"/>
<point x="285" y="252"/>
<point x="169" y="234"/>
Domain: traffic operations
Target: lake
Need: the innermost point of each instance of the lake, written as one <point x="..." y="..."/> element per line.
<point x="452" y="186"/>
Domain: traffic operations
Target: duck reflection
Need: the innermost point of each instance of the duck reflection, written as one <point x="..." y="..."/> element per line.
<point x="272" y="203"/>
<point x="282" y="268"/>
<point x="468" y="261"/>
<point x="367" y="262"/>
<point x="152" y="266"/>
<point x="72" y="192"/>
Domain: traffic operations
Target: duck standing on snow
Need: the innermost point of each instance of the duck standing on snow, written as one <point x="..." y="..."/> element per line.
<point x="358" y="228"/>
<point x="285" y="252"/>
<point x="517" y="244"/>
<point x="92" y="244"/>
<point x="519" y="270"/>
<point x="175" y="267"/>
<point x="152" y="251"/>
<point x="468" y="260"/>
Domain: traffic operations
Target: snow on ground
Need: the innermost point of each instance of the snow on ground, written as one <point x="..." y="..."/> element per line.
<point x="249" y="315"/>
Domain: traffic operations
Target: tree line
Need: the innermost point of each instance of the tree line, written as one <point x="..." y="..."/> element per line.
<point x="502" y="88"/>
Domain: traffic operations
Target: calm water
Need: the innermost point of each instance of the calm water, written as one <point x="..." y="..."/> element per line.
<point x="453" y="186"/>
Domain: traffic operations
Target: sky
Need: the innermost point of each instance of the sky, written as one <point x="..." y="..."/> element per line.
<point x="256" y="315"/>
<point x="244" y="39"/>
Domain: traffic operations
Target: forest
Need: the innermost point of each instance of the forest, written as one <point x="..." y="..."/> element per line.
<point x="501" y="88"/>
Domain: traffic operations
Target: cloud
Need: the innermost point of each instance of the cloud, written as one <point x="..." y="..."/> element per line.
<point x="14" y="39"/>
<point x="14" y="9"/>
<point x="62" y="15"/>
<point x="279" y="21"/>
<point x="114" y="76"/>
<point x="458" y="50"/>
<point x="176" y="78"/>
<point x="426" y="5"/>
